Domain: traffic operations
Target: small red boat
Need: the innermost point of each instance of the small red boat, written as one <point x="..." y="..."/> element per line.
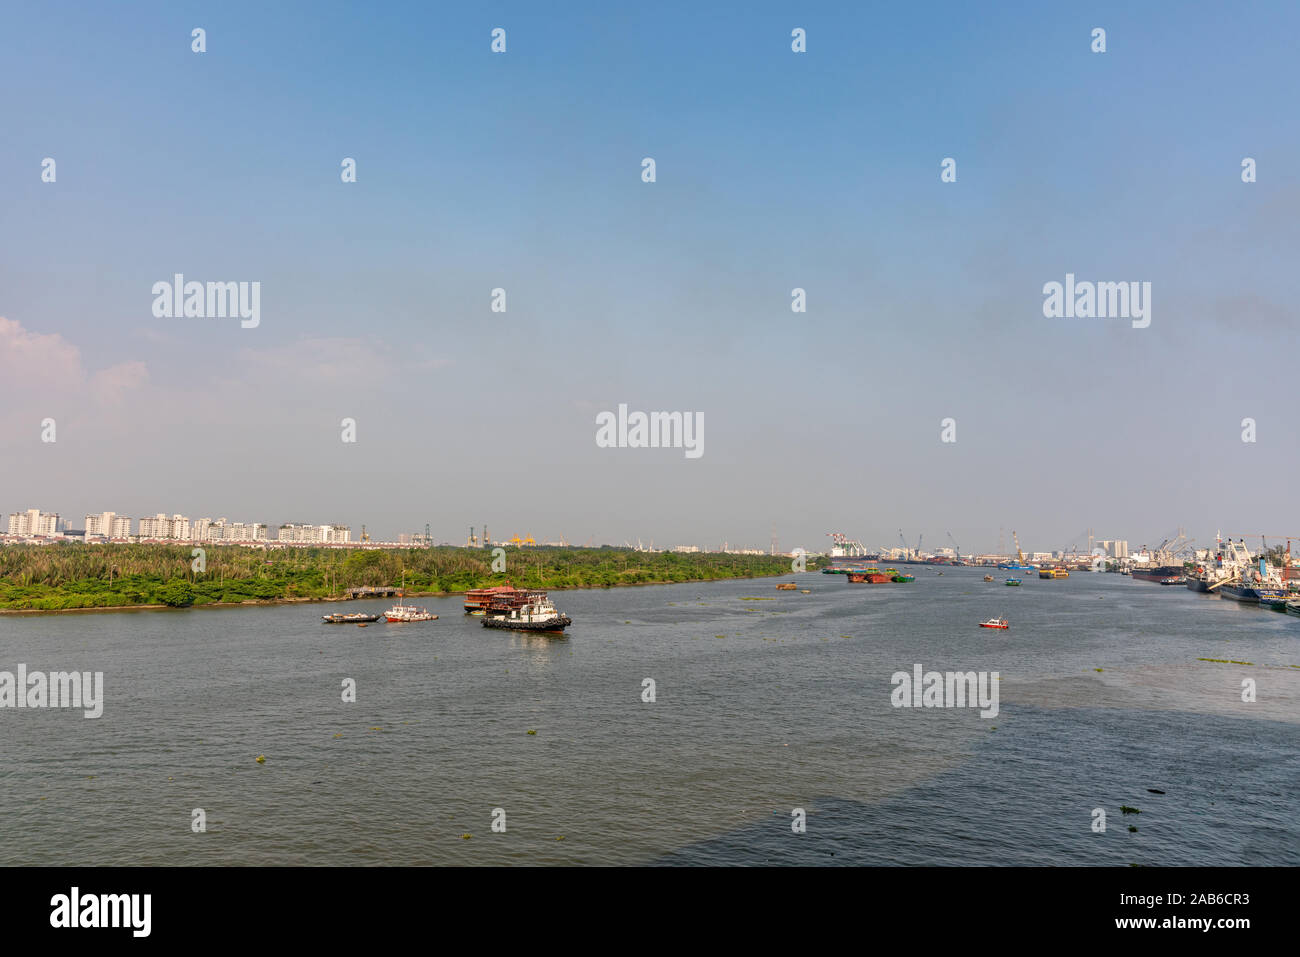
<point x="995" y="623"/>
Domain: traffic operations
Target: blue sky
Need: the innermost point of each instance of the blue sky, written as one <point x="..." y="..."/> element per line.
<point x="775" y="170"/>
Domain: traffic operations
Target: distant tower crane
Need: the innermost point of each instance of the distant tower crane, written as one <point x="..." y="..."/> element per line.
<point x="955" y="545"/>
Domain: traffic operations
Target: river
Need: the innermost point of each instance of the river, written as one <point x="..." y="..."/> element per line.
<point x="761" y="707"/>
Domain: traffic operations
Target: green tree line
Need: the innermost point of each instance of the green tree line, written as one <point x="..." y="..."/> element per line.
<point x="74" y="575"/>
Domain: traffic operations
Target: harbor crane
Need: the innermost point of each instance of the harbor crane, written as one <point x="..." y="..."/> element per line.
<point x="955" y="545"/>
<point x="907" y="549"/>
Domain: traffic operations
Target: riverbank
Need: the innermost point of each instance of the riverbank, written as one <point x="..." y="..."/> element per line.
<point x="329" y="600"/>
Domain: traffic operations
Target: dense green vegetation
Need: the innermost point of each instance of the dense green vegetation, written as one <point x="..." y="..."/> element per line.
<point x="71" y="575"/>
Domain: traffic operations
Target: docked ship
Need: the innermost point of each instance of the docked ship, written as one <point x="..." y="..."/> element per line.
<point x="1255" y="592"/>
<point x="1239" y="578"/>
<point x="1158" y="566"/>
<point x="1157" y="573"/>
<point x="531" y="612"/>
<point x="1230" y="559"/>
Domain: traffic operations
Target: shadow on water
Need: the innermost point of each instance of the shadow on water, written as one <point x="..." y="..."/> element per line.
<point x="1019" y="803"/>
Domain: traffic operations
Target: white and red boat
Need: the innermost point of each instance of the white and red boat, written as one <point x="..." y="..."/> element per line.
<point x="400" y="612"/>
<point x="404" y="613"/>
<point x="995" y="623"/>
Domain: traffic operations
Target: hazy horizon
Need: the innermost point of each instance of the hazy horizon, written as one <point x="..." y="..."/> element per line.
<point x="522" y="171"/>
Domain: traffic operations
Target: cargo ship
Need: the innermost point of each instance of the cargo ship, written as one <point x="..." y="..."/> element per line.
<point x="1156" y="573"/>
<point x="1254" y="593"/>
<point x="1230" y="559"/>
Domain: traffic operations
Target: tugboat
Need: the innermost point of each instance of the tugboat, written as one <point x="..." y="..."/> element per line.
<point x="352" y="619"/>
<point x="995" y="623"/>
<point x="534" y="614"/>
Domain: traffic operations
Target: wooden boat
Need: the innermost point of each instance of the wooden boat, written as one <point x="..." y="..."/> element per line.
<point x="786" y="586"/>
<point x="988" y="578"/>
<point x="477" y="599"/>
<point x="871" y="576"/>
<point x="904" y="578"/>
<point x="1013" y="581"/>
<point x="355" y="618"/>
<point x="995" y="623"/>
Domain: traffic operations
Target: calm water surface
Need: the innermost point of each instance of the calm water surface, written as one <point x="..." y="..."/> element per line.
<point x="762" y="706"/>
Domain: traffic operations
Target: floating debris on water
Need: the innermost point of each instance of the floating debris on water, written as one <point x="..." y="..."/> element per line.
<point x="261" y="759"/>
<point x="532" y="730"/>
<point x="1155" y="791"/>
<point x="1132" y="828"/>
<point x="1124" y="808"/>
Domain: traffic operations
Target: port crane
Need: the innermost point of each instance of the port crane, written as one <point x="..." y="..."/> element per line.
<point x="1020" y="556"/>
<point x="955" y="545"/>
<point x="907" y="549"/>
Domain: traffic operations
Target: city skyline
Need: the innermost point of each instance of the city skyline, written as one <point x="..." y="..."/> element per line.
<point x="182" y="528"/>
<point x="776" y="171"/>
